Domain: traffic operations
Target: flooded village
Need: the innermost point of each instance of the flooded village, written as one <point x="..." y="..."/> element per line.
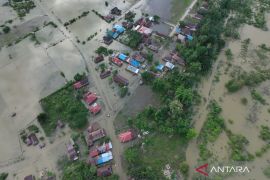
<point x="134" y="89"/>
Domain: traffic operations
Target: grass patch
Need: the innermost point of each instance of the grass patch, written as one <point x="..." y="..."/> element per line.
<point x="250" y="79"/>
<point x="212" y="128"/>
<point x="257" y="96"/>
<point x="147" y="163"/>
<point x="266" y="172"/>
<point x="238" y="145"/>
<point x="65" y="106"/>
<point x="178" y="8"/>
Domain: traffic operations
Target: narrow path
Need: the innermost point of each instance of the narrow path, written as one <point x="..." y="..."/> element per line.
<point x="183" y="16"/>
<point x="192" y="152"/>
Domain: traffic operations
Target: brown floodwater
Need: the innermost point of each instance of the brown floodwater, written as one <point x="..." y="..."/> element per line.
<point x="240" y="119"/>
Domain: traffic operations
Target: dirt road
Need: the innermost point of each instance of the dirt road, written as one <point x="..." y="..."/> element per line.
<point x="184" y="16"/>
<point x="192" y="152"/>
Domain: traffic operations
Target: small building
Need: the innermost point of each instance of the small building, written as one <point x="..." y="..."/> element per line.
<point x="138" y="57"/>
<point x="29" y="177"/>
<point x="105" y="74"/>
<point x="160" y="67"/>
<point x="123" y="57"/>
<point x="127" y="25"/>
<point x="135" y="63"/>
<point x="72" y="153"/>
<point x="178" y="60"/>
<point x="132" y="69"/>
<point x="116" y="61"/>
<point x="81" y="83"/>
<point x="104" y="171"/>
<point x="93" y="127"/>
<point x="89" y="98"/>
<point x="198" y="16"/>
<point x="169" y="65"/>
<point x="95" y="108"/>
<point x="60" y="124"/>
<point x="120" y="80"/>
<point x="109" y="18"/>
<point x="99" y="59"/>
<point x="116" y="31"/>
<point x="191" y="26"/>
<point x="126" y="136"/>
<point x="33" y="138"/>
<point x="95" y="135"/>
<point x="107" y="40"/>
<point x="101" y="149"/>
<point x="153" y="48"/>
<point x="186" y="31"/>
<point x="103" y="158"/>
<point x="181" y="38"/>
<point x="144" y="30"/>
<point x="116" y="11"/>
<point x="28" y="141"/>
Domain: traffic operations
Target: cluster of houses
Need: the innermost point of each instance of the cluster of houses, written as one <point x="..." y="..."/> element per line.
<point x="185" y="31"/>
<point x="101" y="155"/>
<point x="89" y="98"/>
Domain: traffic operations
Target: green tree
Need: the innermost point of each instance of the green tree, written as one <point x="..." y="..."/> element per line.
<point x="79" y="171"/>
<point x="6" y="29"/>
<point x="3" y="176"/>
<point x="191" y="134"/>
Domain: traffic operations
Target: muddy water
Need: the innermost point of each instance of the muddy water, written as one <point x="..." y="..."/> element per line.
<point x="159" y="7"/>
<point x="236" y="115"/>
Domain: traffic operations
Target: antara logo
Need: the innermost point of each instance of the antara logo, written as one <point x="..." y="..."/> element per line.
<point x="222" y="169"/>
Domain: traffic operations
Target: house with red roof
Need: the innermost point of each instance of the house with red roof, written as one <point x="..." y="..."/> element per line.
<point x="104" y="171"/>
<point x="116" y="61"/>
<point x="81" y="83"/>
<point x="95" y="108"/>
<point x="126" y="136"/>
<point x="93" y="136"/>
<point x="101" y="149"/>
<point x="90" y="98"/>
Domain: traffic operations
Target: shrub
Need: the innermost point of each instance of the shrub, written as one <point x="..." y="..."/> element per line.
<point x="3" y="176"/>
<point x="42" y="117"/>
<point x="266" y="172"/>
<point x="184" y="168"/>
<point x="123" y="91"/>
<point x="6" y="29"/>
<point x="33" y="128"/>
<point x="256" y="96"/>
<point x="265" y="133"/>
<point x="244" y="101"/>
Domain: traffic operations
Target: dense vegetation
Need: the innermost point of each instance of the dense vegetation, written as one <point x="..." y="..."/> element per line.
<point x="266" y="172"/>
<point x="147" y="161"/>
<point x="132" y="39"/>
<point x="3" y="176"/>
<point x="212" y="128"/>
<point x="62" y="105"/>
<point x="80" y="171"/>
<point x="22" y="7"/>
<point x="238" y="145"/>
<point x="250" y="79"/>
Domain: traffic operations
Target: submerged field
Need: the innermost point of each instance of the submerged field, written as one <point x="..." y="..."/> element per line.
<point x="244" y="106"/>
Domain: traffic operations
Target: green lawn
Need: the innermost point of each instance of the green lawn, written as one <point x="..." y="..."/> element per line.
<point x="65" y="106"/>
<point x="178" y="9"/>
<point x="158" y="150"/>
<point x="161" y="150"/>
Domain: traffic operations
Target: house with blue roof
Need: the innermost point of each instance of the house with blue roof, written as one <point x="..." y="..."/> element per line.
<point x="135" y="63"/>
<point x="160" y="67"/>
<point x="116" y="31"/>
